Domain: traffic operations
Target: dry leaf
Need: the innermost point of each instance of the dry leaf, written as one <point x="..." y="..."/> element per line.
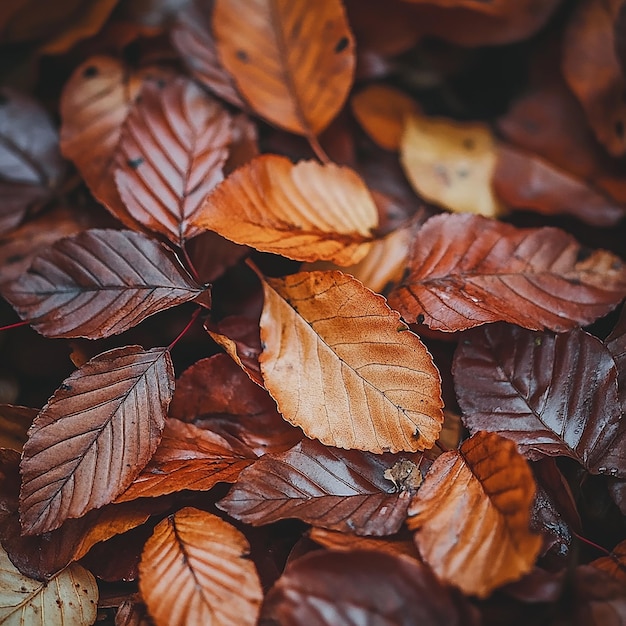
<point x="293" y="63"/>
<point x="451" y="164"/>
<point x="466" y="270"/>
<point x="173" y="146"/>
<point x="472" y="514"/>
<point x="94" y="436"/>
<point x="615" y="564"/>
<point x="14" y="423"/>
<point x="305" y="212"/>
<point x="341" y="365"/>
<point x="193" y="570"/>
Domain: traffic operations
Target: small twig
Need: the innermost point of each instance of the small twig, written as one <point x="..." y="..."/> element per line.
<point x="16" y="325"/>
<point x="190" y="266"/>
<point x="183" y="332"/>
<point x="593" y="544"/>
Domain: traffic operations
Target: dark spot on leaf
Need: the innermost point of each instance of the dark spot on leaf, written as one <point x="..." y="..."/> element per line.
<point x="469" y="143"/>
<point x="416" y="434"/>
<point x="619" y="129"/>
<point x="134" y="163"/>
<point x="538" y="341"/>
<point x="242" y="55"/>
<point x="90" y="72"/>
<point x="420" y="318"/>
<point x="342" y="44"/>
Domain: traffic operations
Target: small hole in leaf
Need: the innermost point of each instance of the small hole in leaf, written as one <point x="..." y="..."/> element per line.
<point x="90" y="72"/>
<point x="242" y="55"/>
<point x="65" y="387"/>
<point x="342" y="44"/>
<point x="420" y="318"/>
<point x="619" y="129"/>
<point x="134" y="163"/>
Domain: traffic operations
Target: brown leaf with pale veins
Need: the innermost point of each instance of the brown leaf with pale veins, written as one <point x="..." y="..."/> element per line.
<point x="173" y="146"/>
<point x="305" y="212"/>
<point x="471" y="515"/>
<point x="466" y="270"/>
<point x="342" y="366"/>
<point x="189" y="457"/>
<point x="336" y="489"/>
<point x="94" y="436"/>
<point x="193" y="570"/>
<point x="99" y="283"/>
<point x="292" y="62"/>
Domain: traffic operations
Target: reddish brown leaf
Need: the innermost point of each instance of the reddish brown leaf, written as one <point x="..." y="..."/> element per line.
<point x="466" y="271"/>
<point x="615" y="565"/>
<point x="472" y="515"/>
<point x="599" y="599"/>
<point x="362" y="587"/>
<point x="328" y="487"/>
<point x="189" y="457"/>
<point x="616" y="344"/>
<point x="193" y="571"/>
<point x="14" y="423"/>
<point x="170" y="155"/>
<point x="212" y="255"/>
<point x="553" y="395"/>
<point x="94" y="436"/>
<point x="293" y="63"/>
<point x="99" y="283"/>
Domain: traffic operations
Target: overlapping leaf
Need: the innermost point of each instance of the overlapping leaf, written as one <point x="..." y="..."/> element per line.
<point x="14" y="424"/>
<point x="472" y="515"/>
<point x="293" y="63"/>
<point x="341" y="365"/>
<point x="305" y="212"/>
<point x="336" y="489"/>
<point x="193" y="571"/>
<point x="616" y="343"/>
<point x="94" y="436"/>
<point x="99" y="283"/>
<point x="466" y="271"/>
<point x="170" y="155"/>
<point x="553" y="395"/>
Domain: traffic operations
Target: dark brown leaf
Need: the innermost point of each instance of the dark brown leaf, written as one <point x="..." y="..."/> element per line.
<point x="616" y="343"/>
<point x="14" y="424"/>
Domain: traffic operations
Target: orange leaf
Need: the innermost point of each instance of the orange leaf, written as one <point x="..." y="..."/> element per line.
<point x="193" y="571"/>
<point x="292" y="61"/>
<point x="305" y="212"/>
<point x="615" y="564"/>
<point x="472" y="515"/>
<point x="341" y="365"/>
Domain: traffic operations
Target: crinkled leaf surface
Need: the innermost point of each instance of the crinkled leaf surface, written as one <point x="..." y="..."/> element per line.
<point x="94" y="436"/>
<point x="342" y="366"/>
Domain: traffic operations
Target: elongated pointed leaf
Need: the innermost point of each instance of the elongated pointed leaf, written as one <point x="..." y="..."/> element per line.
<point x="341" y="365"/>
<point x="170" y="155"/>
<point x="554" y="395"/>
<point x="336" y="489"/>
<point x="94" y="436"/>
<point x="99" y="283"/>
<point x="292" y="62"/>
<point x="466" y="270"/>
<point x="305" y="212"/>
<point x="193" y="571"/>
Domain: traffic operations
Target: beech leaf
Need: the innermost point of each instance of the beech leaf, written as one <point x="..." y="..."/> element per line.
<point x="466" y="270"/>
<point x="472" y="513"/>
<point x="193" y="571"/>
<point x="554" y="395"/>
<point x="341" y="365"/>
<point x="14" y="424"/>
<point x="328" y="487"/>
<point x="292" y="62"/>
<point x="99" y="283"/>
<point x="94" y="436"/>
<point x="71" y="597"/>
<point x="305" y="212"/>
<point x="170" y="155"/>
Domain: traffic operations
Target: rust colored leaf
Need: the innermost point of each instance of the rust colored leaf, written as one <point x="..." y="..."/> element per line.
<point x="599" y="599"/>
<point x="99" y="283"/>
<point x="173" y="146"/>
<point x="451" y="164"/>
<point x="293" y="63"/>
<point x="71" y="597"/>
<point x="362" y="587"/>
<point x="305" y="212"/>
<point x="189" y="457"/>
<point x="336" y="489"/>
<point x="615" y="565"/>
<point x="554" y="395"/>
<point x="212" y="255"/>
<point x="14" y="423"/>
<point x="94" y="436"/>
<point x="342" y="366"/>
<point x="472" y="514"/>
<point x="193" y="571"/>
<point x="382" y="111"/>
<point x="466" y="271"/>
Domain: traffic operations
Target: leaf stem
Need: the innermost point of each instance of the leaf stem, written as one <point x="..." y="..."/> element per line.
<point x="320" y="153"/>
<point x="441" y="446"/>
<point x="592" y="544"/>
<point x="16" y="325"/>
<point x="190" y="266"/>
<point x="183" y="332"/>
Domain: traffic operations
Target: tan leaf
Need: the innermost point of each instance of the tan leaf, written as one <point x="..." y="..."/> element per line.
<point x="472" y="515"/>
<point x="451" y="164"/>
<point x="341" y="365"/>
<point x="292" y="61"/>
<point x="193" y="571"/>
<point x="170" y="155"/>
<point x="94" y="436"/>
<point x="71" y="597"/>
<point x="305" y="212"/>
<point x="382" y="111"/>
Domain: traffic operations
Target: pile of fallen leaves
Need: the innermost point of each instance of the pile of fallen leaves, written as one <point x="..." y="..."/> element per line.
<point x="320" y="312"/>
